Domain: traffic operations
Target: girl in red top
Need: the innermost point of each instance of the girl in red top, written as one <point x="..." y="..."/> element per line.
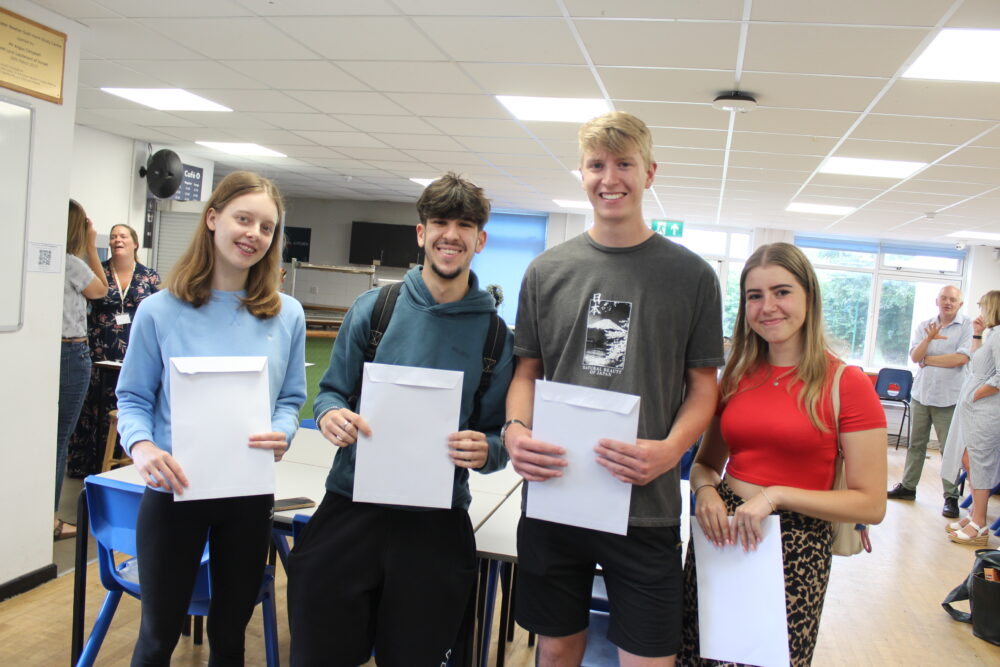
<point x="774" y="436"/>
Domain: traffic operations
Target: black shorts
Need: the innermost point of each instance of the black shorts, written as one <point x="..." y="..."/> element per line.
<point x="642" y="572"/>
<point x="364" y="576"/>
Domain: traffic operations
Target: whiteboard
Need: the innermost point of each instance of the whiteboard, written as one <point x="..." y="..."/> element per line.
<point x="15" y="147"/>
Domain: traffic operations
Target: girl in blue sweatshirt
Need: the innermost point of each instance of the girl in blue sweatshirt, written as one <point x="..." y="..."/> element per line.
<point x="222" y="300"/>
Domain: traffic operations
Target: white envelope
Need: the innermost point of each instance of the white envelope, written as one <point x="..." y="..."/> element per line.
<point x="741" y="599"/>
<point x="216" y="404"/>
<point x="411" y="412"/>
<point x="575" y="418"/>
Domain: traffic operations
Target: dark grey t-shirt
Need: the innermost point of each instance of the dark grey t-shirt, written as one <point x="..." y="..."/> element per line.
<point x="630" y="320"/>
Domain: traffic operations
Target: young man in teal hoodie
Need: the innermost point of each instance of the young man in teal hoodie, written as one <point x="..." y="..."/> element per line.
<point x="362" y="575"/>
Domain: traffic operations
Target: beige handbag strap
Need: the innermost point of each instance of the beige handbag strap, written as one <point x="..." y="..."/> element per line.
<point x="835" y="388"/>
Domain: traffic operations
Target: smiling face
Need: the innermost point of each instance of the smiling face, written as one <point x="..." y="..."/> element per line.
<point x="775" y="306"/>
<point x="121" y="243"/>
<point x="449" y="246"/>
<point x="244" y="229"/>
<point x="615" y="183"/>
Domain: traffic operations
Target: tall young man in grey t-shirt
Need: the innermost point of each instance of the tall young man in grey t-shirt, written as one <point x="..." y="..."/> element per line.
<point x="623" y="309"/>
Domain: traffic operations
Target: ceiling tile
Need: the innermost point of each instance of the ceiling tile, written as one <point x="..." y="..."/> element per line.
<point x="975" y="157"/>
<point x="303" y="121"/>
<point x="459" y="106"/>
<point x="389" y="124"/>
<point x="481" y="127"/>
<point x="631" y="83"/>
<point x="194" y="74"/>
<point x="698" y="116"/>
<point x="795" y="121"/>
<point x="490" y="145"/>
<point x="466" y="8"/>
<point x="892" y="150"/>
<point x="952" y="131"/>
<point x="231" y="38"/>
<point x="517" y="40"/>
<point x="861" y="12"/>
<point x="123" y="39"/>
<point x="444" y="157"/>
<point x="298" y="74"/>
<point x="769" y="142"/>
<point x="317" y="7"/>
<point x="976" y="14"/>
<point x="429" y="142"/>
<point x="951" y="99"/>
<point x="799" y="91"/>
<point x="254" y="100"/>
<point x="349" y="103"/>
<point x="361" y="38"/>
<point x="661" y="44"/>
<point x="342" y="139"/>
<point x="662" y="9"/>
<point x="412" y="77"/>
<point x="534" y="80"/>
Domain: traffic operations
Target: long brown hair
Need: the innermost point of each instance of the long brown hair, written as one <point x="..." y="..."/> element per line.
<point x="749" y="350"/>
<point x="989" y="304"/>
<point x="76" y="230"/>
<point x="191" y="278"/>
<point x="133" y="234"/>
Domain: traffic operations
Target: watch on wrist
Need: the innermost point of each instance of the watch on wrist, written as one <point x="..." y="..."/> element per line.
<point x="506" y="425"/>
<point x="977" y="336"/>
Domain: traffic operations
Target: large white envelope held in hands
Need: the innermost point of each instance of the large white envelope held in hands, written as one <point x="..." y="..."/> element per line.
<point x="216" y="404"/>
<point x="411" y="412"/>
<point x="575" y="418"/>
<point x="741" y="599"/>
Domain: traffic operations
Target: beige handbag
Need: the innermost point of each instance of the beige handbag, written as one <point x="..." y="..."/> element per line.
<point x="848" y="538"/>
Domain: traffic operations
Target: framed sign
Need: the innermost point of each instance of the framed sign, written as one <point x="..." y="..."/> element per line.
<point x="32" y="57"/>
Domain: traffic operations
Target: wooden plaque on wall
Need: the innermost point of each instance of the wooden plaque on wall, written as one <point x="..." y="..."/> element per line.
<point x="32" y="57"/>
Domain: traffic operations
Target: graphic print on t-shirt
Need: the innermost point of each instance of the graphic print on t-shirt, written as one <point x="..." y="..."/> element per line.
<point x="607" y="336"/>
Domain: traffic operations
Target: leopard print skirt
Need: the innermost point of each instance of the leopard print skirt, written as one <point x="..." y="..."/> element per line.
<point x="805" y="544"/>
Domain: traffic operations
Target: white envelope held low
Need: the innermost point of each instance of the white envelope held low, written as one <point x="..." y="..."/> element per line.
<point x="216" y="404"/>
<point x="741" y="599"/>
<point x="575" y="418"/>
<point x="411" y="412"/>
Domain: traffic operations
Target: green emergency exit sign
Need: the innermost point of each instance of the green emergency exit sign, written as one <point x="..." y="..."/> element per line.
<point x="674" y="228"/>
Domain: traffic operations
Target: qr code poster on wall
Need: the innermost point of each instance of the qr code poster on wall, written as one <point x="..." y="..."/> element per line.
<point x="45" y="257"/>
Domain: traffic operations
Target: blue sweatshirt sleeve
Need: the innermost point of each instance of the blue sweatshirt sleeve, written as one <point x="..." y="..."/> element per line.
<point x="292" y="395"/>
<point x="347" y="358"/>
<point x="494" y="408"/>
<point x="140" y="379"/>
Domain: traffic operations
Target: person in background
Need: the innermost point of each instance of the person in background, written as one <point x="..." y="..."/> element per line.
<point x="775" y="438"/>
<point x="977" y="427"/>
<point x="221" y="300"/>
<point x="108" y="326"/>
<point x="941" y="346"/>
<point x="623" y="309"/>
<point x="84" y="279"/>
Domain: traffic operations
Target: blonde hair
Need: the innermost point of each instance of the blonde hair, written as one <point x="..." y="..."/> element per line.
<point x="617" y="132"/>
<point x="989" y="305"/>
<point x="749" y="350"/>
<point x="191" y="278"/>
<point x="76" y="230"/>
<point x="133" y="234"/>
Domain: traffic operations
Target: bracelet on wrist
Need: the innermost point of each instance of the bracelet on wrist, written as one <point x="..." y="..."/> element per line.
<point x="768" y="499"/>
<point x="702" y="486"/>
<point x="977" y="336"/>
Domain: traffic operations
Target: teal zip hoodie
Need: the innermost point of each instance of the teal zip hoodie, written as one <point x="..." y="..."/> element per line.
<point x="424" y="333"/>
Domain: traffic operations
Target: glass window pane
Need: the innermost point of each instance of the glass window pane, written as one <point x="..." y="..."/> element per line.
<point x="923" y="263"/>
<point x="703" y="241"/>
<point x="739" y="246"/>
<point x="731" y="298"/>
<point x="846" y="301"/>
<point x="848" y="258"/>
<point x="903" y="304"/>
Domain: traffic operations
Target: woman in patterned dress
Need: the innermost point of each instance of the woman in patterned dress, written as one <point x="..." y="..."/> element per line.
<point x="108" y="326"/>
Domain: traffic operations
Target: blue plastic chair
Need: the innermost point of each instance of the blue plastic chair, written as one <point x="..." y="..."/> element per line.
<point x="893" y="385"/>
<point x="114" y="509"/>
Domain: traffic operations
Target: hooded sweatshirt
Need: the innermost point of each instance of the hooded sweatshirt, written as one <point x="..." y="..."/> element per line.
<point x="424" y="333"/>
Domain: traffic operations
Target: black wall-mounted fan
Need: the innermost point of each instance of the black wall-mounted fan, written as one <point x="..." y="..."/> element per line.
<point x="163" y="172"/>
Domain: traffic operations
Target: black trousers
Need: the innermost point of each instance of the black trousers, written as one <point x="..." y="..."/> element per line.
<point x="364" y="576"/>
<point x="170" y="537"/>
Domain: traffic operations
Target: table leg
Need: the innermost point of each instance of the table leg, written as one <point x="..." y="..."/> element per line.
<point x="80" y="576"/>
<point x="507" y="583"/>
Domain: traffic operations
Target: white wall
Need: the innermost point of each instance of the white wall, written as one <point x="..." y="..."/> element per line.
<point x="29" y="358"/>
<point x="983" y="275"/>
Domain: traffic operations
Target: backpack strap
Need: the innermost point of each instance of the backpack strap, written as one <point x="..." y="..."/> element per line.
<point x="385" y="302"/>
<point x="492" y="349"/>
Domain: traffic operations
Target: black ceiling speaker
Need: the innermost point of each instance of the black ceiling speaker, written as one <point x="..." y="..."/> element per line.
<point x="163" y="172"/>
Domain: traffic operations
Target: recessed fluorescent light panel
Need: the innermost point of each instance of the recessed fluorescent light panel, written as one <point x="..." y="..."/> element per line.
<point x="570" y="203"/>
<point x="564" y="109"/>
<point x="422" y="181"/>
<point x="253" y="150"/>
<point x="985" y="236"/>
<point x="960" y="55"/>
<point x="167" y="99"/>
<point x="825" y="209"/>
<point x="578" y="174"/>
<point x="859" y="166"/>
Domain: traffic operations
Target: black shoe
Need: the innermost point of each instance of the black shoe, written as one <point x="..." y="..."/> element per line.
<point x="950" y="509"/>
<point x="900" y="492"/>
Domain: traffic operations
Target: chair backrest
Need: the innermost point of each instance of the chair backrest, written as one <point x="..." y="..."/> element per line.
<point x="114" y="509"/>
<point x="894" y="384"/>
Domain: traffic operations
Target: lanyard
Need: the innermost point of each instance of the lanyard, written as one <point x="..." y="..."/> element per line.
<point x="118" y="284"/>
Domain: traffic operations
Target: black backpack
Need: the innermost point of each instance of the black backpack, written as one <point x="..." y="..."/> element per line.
<point x="385" y="303"/>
